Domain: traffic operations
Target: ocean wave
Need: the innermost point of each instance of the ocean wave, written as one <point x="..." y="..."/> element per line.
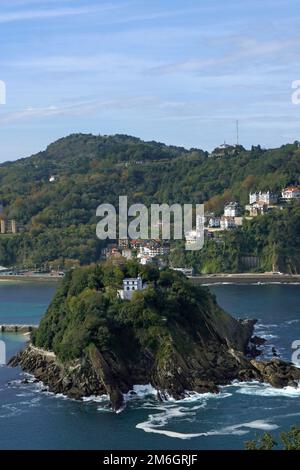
<point x="156" y="424"/>
<point x="266" y="390"/>
<point x="291" y="322"/>
<point x="263" y="326"/>
<point x="95" y="399"/>
<point x="140" y="391"/>
<point x="268" y="336"/>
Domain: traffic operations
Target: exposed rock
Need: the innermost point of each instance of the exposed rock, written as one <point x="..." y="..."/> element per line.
<point x="172" y="335"/>
<point x="201" y="373"/>
<point x="277" y="372"/>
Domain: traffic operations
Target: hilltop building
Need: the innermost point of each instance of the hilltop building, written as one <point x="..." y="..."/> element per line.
<point x="130" y="286"/>
<point x="226" y="150"/>
<point x="223" y="150"/>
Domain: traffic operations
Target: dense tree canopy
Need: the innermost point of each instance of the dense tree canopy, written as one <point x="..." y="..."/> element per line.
<point x="86" y="310"/>
<point x="59" y="216"/>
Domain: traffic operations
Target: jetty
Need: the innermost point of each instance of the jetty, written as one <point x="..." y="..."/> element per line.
<point x="17" y="328"/>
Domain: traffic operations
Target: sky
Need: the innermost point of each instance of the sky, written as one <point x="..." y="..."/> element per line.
<point x="176" y="71"/>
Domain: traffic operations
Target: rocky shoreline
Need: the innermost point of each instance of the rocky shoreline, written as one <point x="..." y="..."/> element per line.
<point x="172" y="335"/>
<point x="97" y="375"/>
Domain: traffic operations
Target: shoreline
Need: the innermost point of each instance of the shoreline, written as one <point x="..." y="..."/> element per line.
<point x="246" y="278"/>
<point x="29" y="278"/>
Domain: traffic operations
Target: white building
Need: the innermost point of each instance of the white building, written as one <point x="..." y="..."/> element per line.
<point x="223" y="150"/>
<point x="263" y="197"/>
<point x="153" y="251"/>
<point x="292" y="192"/>
<point x="227" y="223"/>
<point x="232" y="209"/>
<point x="130" y="286"/>
<point x="214" y="222"/>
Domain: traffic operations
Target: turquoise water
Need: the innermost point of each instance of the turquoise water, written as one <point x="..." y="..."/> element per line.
<point x="34" y="419"/>
<point x="24" y="302"/>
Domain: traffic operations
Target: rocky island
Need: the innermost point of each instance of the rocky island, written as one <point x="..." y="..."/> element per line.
<point x="170" y="334"/>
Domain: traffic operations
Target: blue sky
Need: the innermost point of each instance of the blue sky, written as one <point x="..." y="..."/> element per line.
<point x="177" y="71"/>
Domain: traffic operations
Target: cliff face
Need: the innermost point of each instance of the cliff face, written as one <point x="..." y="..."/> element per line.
<point x="172" y="335"/>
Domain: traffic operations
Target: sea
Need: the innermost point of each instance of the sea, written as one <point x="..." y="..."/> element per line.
<point x="33" y="418"/>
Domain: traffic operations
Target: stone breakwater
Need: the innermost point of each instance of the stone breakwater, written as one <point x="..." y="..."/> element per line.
<point x="17" y="328"/>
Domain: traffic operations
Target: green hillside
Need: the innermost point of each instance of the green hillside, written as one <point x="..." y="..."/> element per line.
<point x="59" y="216"/>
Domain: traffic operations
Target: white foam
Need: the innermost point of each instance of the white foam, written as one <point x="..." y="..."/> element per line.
<point x="140" y="391"/>
<point x="265" y="390"/>
<point x="263" y="326"/>
<point x="156" y="423"/>
<point x="268" y="336"/>
<point x="291" y="322"/>
<point x="260" y="424"/>
<point x="95" y="398"/>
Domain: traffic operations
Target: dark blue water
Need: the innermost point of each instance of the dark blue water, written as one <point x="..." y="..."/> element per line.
<point x="32" y="419"/>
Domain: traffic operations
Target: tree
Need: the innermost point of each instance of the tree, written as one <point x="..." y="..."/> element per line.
<point x="289" y="440"/>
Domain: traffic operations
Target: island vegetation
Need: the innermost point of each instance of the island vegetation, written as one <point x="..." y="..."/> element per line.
<point x="171" y="334"/>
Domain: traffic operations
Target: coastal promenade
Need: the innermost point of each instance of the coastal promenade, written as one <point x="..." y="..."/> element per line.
<point x="246" y="278"/>
<point x="29" y="278"/>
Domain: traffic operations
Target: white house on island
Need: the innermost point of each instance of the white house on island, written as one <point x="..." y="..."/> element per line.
<point x="130" y="286"/>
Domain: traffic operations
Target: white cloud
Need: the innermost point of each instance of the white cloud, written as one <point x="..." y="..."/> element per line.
<point x="23" y="15"/>
<point x="84" y="108"/>
<point x="101" y="62"/>
<point x="247" y="49"/>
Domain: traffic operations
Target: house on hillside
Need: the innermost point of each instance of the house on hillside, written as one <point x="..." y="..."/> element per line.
<point x="227" y="223"/>
<point x="256" y="208"/>
<point x="266" y="197"/>
<point x="130" y="286"/>
<point x="232" y="209"/>
<point x="214" y="222"/>
<point x="153" y="250"/>
<point x="223" y="150"/>
<point x="292" y="192"/>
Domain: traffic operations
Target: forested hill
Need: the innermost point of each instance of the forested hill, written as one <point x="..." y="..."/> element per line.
<point x="59" y="216"/>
